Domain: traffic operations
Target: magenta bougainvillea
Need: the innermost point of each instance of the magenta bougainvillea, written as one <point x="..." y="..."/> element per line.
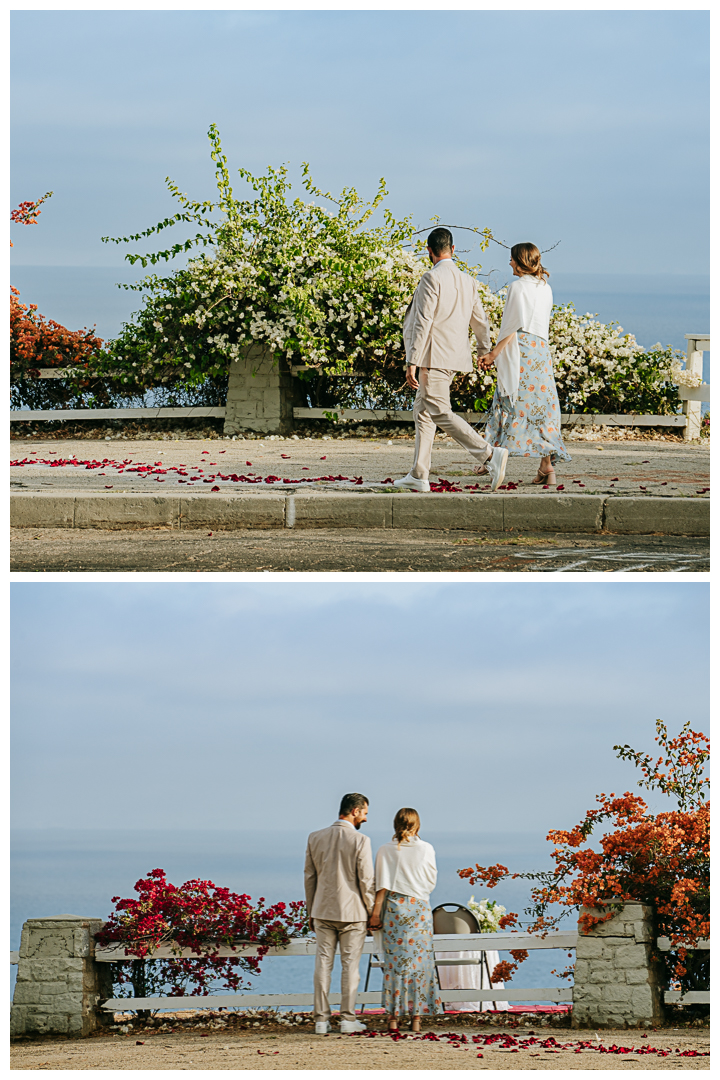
<point x="198" y="916"/>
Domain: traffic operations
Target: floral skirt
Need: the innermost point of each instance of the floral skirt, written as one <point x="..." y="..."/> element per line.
<point x="530" y="427"/>
<point x="410" y="983"/>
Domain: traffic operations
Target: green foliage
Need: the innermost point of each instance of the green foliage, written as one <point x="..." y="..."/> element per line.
<point x="321" y="287"/>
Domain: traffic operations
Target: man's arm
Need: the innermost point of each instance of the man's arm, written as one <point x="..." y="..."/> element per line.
<point x="366" y="874"/>
<point x="480" y="325"/>
<point x="310" y="883"/>
<point x="425" y="305"/>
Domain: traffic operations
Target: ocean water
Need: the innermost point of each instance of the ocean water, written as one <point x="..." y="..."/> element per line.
<point x="58" y="871"/>
<point x="653" y="307"/>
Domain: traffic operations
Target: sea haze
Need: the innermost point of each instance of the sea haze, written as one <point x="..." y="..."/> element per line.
<point x="63" y="871"/>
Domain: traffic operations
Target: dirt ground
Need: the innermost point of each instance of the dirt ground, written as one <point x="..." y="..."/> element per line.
<point x="442" y="1046"/>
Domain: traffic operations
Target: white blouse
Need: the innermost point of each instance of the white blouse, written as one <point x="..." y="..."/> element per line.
<point x="528" y="306"/>
<point x="408" y="868"/>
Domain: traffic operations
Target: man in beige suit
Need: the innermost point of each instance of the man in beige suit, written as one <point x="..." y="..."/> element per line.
<point x="435" y="331"/>
<point x="340" y="894"/>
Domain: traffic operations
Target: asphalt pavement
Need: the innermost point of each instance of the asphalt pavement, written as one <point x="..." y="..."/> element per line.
<point x="348" y="551"/>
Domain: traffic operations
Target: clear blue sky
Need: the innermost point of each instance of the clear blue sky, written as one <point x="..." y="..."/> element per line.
<point x="589" y="127"/>
<point x="490" y="706"/>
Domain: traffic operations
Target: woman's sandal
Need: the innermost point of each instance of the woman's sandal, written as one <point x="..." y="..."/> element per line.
<point x="415" y="1025"/>
<point x="392" y="1025"/>
<point x="545" y="477"/>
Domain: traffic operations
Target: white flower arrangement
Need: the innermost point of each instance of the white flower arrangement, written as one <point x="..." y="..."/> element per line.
<point x="488" y="914"/>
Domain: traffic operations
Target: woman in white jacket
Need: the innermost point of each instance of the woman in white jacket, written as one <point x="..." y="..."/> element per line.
<point x="405" y="875"/>
<point x="524" y="417"/>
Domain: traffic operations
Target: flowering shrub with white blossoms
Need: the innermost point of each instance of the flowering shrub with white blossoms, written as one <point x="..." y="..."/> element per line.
<point x="325" y="288"/>
<point x="598" y="368"/>
<point x="317" y="286"/>
<point x="487" y="913"/>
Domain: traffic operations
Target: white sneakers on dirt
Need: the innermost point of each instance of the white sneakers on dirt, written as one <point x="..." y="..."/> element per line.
<point x="347" y="1027"/>
<point x="496" y="467"/>
<point x="413" y="484"/>
<point x="322" y="1027"/>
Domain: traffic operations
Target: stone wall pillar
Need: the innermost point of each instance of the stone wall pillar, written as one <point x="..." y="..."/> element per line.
<point x="260" y="395"/>
<point x="616" y="982"/>
<point x="59" y="984"/>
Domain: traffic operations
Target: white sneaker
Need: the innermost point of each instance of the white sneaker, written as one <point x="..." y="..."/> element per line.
<point x="347" y="1027"/>
<point x="496" y="467"/>
<point x="413" y="483"/>
<point x="322" y="1027"/>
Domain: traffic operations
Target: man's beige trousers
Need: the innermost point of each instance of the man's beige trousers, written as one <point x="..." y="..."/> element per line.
<point x="432" y="409"/>
<point x="351" y="936"/>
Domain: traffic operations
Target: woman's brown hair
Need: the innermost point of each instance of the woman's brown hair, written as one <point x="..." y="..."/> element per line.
<point x="407" y="822"/>
<point x="527" y="258"/>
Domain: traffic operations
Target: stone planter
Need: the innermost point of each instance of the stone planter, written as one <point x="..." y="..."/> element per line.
<point x="617" y="983"/>
<point x="260" y="395"/>
<point x="59" y="986"/>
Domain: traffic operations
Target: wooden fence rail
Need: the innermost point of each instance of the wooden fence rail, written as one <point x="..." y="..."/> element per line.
<point x="689" y="420"/>
<point x="307" y="947"/>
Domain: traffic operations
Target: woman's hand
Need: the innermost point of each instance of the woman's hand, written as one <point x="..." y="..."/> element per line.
<point x="487" y="361"/>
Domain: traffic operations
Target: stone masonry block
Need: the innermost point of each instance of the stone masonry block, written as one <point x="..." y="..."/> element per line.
<point x="645" y="1001"/>
<point x="582" y="969"/>
<point x="636" y="976"/>
<point x="53" y="968"/>
<point x="606" y="974"/>
<point x="642" y="931"/>
<point x="616" y="993"/>
<point x="46" y="942"/>
<point x="589" y="947"/>
<point x="26" y="993"/>
<point x="631" y="956"/>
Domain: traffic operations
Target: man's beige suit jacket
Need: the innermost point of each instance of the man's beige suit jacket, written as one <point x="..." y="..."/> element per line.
<point x="435" y="331"/>
<point x="339" y="876"/>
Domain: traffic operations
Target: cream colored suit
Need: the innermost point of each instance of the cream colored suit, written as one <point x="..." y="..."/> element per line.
<point x="339" y="894"/>
<point x="435" y="333"/>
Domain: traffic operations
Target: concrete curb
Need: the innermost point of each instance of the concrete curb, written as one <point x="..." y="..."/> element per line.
<point x="546" y="513"/>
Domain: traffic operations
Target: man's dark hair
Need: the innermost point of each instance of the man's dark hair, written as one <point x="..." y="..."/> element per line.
<point x="351" y="802"/>
<point x="440" y="241"/>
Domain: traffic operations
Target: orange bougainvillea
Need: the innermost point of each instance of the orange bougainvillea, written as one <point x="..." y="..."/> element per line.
<point x="662" y="859"/>
<point x="27" y="213"/>
<point x="35" y="341"/>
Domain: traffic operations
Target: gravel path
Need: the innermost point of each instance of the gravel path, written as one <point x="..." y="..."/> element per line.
<point x="619" y="468"/>
<point x="448" y="1048"/>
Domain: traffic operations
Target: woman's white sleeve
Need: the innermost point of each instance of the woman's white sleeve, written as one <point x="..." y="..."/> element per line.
<point x="432" y="869"/>
<point x="382" y="872"/>
<point x="507" y="364"/>
<point x="513" y="312"/>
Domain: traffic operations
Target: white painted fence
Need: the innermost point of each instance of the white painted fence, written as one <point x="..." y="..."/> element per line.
<point x="306" y="947"/>
<point x="690" y="997"/>
<point x="693" y="396"/>
<point x="441" y="942"/>
<point x="689" y="419"/>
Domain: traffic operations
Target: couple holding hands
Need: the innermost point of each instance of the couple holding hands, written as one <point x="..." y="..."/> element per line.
<point x="346" y="896"/>
<point x="524" y="418"/>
